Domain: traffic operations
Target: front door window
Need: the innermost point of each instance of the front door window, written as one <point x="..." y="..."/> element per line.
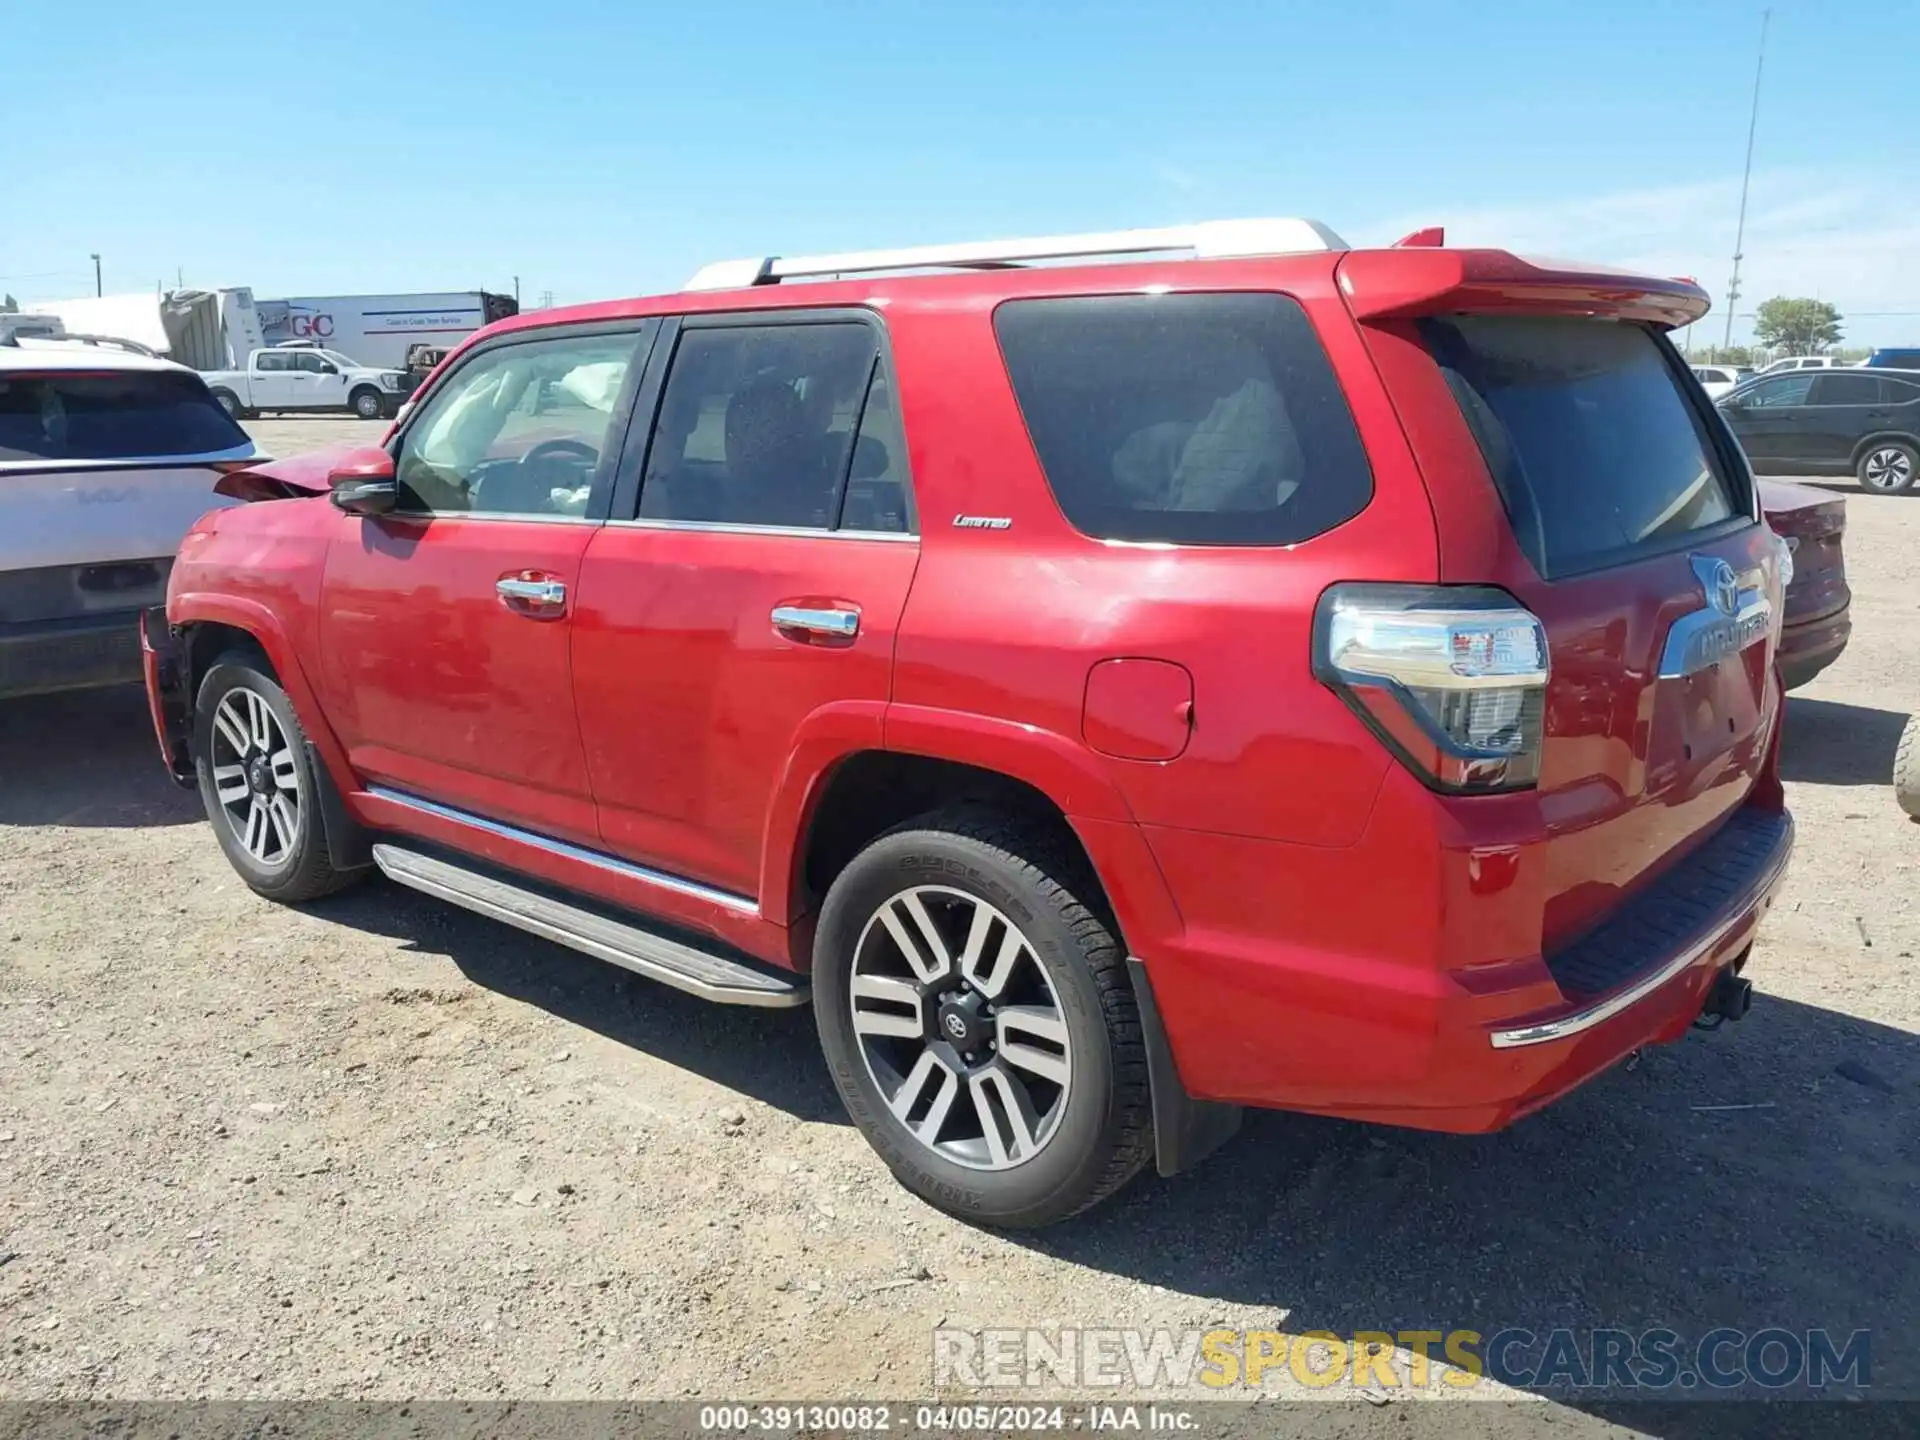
<point x="519" y="430"/>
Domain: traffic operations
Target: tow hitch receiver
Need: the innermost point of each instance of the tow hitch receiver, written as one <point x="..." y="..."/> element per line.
<point x="1729" y="999"/>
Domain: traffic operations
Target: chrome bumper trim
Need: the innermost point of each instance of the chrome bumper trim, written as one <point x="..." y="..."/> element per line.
<point x="1583" y="1020"/>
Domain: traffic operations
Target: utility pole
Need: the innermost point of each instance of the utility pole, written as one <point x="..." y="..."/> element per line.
<point x="97" y="291"/>
<point x="516" y="291"/>
<point x="1746" y="176"/>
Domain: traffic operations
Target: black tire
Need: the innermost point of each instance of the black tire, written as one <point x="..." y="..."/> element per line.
<point x="367" y="403"/>
<point x="1906" y="768"/>
<point x="230" y="403"/>
<point x="302" y="870"/>
<point x="1104" y="1133"/>
<point x="1888" y="467"/>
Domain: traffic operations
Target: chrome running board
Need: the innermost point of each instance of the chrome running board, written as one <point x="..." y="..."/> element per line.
<point x="620" y="942"/>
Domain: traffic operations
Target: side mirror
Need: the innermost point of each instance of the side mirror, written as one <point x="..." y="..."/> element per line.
<point x="363" y="484"/>
<point x="327" y="367"/>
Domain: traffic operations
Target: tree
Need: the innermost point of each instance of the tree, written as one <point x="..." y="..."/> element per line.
<point x="1799" y="327"/>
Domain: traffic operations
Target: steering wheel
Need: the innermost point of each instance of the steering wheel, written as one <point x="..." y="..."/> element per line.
<point x="554" y="449"/>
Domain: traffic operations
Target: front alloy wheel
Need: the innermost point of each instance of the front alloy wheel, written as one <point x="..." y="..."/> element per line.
<point x="256" y="777"/>
<point x="959" y="1027"/>
<point x="259" y="783"/>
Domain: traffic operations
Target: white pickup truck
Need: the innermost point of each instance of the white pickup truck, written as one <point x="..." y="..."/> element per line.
<point x="286" y="377"/>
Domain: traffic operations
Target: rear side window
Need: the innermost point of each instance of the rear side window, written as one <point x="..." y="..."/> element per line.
<point x="1593" y="443"/>
<point x="1195" y="419"/>
<point x="1842" y="387"/>
<point x="123" y="416"/>
<point x="759" y="424"/>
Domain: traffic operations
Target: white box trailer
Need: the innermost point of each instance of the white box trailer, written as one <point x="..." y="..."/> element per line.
<point x="378" y="330"/>
<point x="204" y="329"/>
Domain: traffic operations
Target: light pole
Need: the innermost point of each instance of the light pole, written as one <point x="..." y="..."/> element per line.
<point x="1740" y="230"/>
<point x="96" y="274"/>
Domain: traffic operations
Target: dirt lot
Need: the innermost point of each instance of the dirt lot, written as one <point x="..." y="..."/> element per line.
<point x="379" y="1147"/>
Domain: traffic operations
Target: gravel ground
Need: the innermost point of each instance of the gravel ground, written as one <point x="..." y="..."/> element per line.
<point x="378" y="1147"/>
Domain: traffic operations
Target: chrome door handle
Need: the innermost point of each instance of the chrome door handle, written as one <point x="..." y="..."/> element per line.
<point x="834" y="624"/>
<point x="541" y="594"/>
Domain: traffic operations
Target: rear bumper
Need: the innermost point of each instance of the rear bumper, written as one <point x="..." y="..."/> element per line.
<point x="44" y="656"/>
<point x="1373" y="1037"/>
<point x="1809" y="646"/>
<point x="163" y="665"/>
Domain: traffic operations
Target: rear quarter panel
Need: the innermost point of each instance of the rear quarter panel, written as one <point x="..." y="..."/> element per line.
<point x="1008" y="622"/>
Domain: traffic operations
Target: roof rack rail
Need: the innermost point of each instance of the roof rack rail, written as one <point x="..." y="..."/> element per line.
<point x="133" y="347"/>
<point x="1210" y="239"/>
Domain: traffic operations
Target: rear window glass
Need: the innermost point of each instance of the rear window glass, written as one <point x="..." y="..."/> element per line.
<point x="1596" y="450"/>
<point x="1197" y="419"/>
<point x="127" y="416"/>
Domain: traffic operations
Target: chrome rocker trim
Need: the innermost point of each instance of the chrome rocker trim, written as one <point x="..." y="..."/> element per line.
<point x="657" y="878"/>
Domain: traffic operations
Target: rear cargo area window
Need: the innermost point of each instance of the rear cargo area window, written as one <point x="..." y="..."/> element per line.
<point x="1195" y="419"/>
<point x="1596" y="450"/>
<point x="123" y="416"/>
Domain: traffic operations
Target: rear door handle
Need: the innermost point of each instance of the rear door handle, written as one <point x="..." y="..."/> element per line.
<point x="525" y="595"/>
<point x="828" y="624"/>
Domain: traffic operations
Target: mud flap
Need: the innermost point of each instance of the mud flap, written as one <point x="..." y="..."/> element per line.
<point x="1185" y="1130"/>
<point x="349" y="845"/>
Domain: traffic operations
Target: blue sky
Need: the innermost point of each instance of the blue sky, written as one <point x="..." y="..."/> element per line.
<point x="600" y="149"/>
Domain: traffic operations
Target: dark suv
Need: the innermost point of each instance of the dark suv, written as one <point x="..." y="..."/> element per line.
<point x="1112" y="693"/>
<point x="1848" y="421"/>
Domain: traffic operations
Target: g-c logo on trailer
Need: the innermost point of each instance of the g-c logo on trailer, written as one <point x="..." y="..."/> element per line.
<point x="310" y="327"/>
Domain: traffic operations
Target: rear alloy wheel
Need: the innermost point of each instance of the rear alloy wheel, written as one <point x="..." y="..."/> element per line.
<point x="257" y="783"/>
<point x="979" y="1020"/>
<point x="969" y="1048"/>
<point x="1889" y="466"/>
<point x="368" y="405"/>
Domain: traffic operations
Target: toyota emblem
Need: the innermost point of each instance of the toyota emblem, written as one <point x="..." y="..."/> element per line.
<point x="1716" y="577"/>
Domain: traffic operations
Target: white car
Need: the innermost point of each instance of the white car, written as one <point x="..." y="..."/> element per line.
<point x="290" y="377"/>
<point x="1804" y="362"/>
<point x="1718" y="380"/>
<point x="107" y="457"/>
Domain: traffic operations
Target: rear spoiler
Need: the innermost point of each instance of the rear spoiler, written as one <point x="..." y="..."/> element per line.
<point x="1403" y="284"/>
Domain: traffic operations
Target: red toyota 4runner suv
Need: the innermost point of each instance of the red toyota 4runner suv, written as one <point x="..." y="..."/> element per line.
<point x="1116" y="691"/>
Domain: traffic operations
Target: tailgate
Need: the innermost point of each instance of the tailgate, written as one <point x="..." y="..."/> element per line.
<point x="99" y="466"/>
<point x="65" y="517"/>
<point x="1574" y="463"/>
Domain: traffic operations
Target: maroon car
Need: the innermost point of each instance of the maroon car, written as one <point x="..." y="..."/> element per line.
<point x="1816" y="624"/>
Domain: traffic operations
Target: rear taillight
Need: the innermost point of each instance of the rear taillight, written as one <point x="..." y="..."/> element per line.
<point x="1452" y="678"/>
